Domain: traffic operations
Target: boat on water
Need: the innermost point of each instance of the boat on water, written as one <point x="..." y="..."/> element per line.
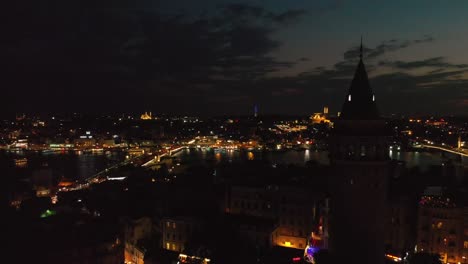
<point x="47" y="151"/>
<point x="21" y="162"/>
<point x="97" y="150"/>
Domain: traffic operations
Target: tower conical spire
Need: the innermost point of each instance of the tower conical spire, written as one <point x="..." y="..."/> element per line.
<point x="360" y="50"/>
<point x="360" y="100"/>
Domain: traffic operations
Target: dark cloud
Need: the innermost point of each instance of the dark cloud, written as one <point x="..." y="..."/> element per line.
<point x="237" y="11"/>
<point x="426" y="38"/>
<point x="244" y="13"/>
<point x="287" y="92"/>
<point x="437" y="62"/>
<point x="433" y="90"/>
<point x="124" y="54"/>
<point x="384" y="47"/>
<point x="288" y="16"/>
<point x="397" y="92"/>
<point x="442" y="90"/>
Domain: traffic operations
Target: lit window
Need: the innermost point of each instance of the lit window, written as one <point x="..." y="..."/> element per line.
<point x="439" y="225"/>
<point x="168" y="224"/>
<point x="173" y="225"/>
<point x="373" y="98"/>
<point x="349" y="98"/>
<point x="287" y="243"/>
<point x="465" y="244"/>
<point x="173" y="246"/>
<point x="168" y="245"/>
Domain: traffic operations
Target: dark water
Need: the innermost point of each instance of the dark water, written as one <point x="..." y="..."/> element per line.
<point x="70" y="165"/>
<point x="279" y="157"/>
<point x="80" y="166"/>
<point x="426" y="159"/>
<point x="412" y="159"/>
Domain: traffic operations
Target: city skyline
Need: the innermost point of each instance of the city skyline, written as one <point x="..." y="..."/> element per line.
<point x="108" y="154"/>
<point x="225" y="57"/>
<point x="300" y="208"/>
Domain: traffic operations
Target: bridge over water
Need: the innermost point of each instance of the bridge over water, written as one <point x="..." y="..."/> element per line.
<point x="458" y="151"/>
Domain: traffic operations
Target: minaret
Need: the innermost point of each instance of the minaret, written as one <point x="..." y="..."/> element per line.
<point x="359" y="158"/>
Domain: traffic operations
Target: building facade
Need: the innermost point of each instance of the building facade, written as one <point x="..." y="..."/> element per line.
<point x="135" y="231"/>
<point x="443" y="228"/>
<point x="294" y="208"/>
<point x="400" y="227"/>
<point x="176" y="231"/>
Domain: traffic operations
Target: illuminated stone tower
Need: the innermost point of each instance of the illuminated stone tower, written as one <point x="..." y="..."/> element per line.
<point x="359" y="158"/>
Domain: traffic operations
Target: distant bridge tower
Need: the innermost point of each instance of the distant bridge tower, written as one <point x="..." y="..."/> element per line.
<point x="459" y="142"/>
<point x="255" y="110"/>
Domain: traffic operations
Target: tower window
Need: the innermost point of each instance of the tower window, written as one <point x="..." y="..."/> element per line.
<point x="363" y="151"/>
<point x="350" y="150"/>
<point x="373" y="97"/>
<point x="349" y="98"/>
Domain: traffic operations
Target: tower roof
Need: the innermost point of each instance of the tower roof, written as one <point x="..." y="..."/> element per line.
<point x="360" y="100"/>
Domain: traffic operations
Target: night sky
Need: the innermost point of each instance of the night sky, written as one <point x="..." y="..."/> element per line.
<point x="210" y="57"/>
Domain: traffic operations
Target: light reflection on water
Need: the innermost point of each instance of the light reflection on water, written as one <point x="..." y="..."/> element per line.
<point x="81" y="166"/>
<point x="426" y="159"/>
<point x="300" y="157"/>
<point x="69" y="164"/>
<point x="205" y="156"/>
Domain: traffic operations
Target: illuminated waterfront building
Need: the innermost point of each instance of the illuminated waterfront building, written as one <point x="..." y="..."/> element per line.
<point x="325" y="110"/>
<point x="146" y="116"/>
<point x="318" y="118"/>
<point x="85" y="141"/>
<point x="289" y="128"/>
<point x="360" y="163"/>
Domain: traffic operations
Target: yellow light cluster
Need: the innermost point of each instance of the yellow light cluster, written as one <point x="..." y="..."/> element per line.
<point x="394" y="258"/>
